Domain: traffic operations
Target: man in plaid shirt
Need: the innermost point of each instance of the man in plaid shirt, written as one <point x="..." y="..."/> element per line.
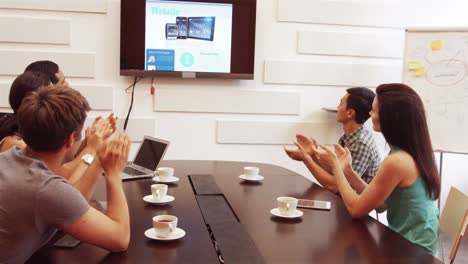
<point x="353" y="111"/>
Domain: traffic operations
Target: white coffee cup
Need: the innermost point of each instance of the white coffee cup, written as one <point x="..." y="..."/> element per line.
<point x="251" y="172"/>
<point x="165" y="172"/>
<point x="164" y="225"/>
<point x="159" y="191"/>
<point x="287" y="205"/>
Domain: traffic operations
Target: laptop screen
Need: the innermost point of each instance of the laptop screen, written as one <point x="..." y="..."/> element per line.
<point x="150" y="154"/>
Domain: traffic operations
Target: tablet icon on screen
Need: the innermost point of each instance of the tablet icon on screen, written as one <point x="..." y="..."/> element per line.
<point x="172" y="31"/>
<point x="181" y="23"/>
<point x="201" y="28"/>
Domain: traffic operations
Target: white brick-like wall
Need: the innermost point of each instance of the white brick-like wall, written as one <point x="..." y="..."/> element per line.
<point x="34" y="30"/>
<point x="307" y="53"/>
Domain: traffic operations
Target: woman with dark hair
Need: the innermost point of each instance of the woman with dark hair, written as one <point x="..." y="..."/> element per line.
<point x="407" y="182"/>
<point x="82" y="171"/>
<point x="23" y="85"/>
<point x="9" y="136"/>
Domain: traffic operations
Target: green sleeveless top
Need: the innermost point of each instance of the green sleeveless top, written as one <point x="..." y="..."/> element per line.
<point x="414" y="215"/>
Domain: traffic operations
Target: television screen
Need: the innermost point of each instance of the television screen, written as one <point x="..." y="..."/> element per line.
<point x="203" y="38"/>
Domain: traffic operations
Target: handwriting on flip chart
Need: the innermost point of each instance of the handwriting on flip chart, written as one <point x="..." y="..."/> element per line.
<point x="436" y="66"/>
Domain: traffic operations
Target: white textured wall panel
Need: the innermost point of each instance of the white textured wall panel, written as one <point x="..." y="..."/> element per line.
<point x="275" y="132"/>
<point x="395" y="13"/>
<point x="34" y="30"/>
<point x="4" y="92"/>
<point x="137" y="128"/>
<point x="339" y="12"/>
<point x="94" y="32"/>
<point x="85" y="6"/>
<point x="99" y="97"/>
<point x="326" y="73"/>
<point x="238" y="101"/>
<point x="73" y="64"/>
<point x="381" y="44"/>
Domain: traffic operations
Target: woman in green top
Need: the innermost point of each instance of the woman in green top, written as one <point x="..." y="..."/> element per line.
<point x="407" y="182"/>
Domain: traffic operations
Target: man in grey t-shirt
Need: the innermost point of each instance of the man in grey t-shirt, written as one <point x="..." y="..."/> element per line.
<point x="34" y="202"/>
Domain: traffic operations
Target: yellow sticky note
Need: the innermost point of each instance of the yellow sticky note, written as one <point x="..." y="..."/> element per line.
<point x="420" y="72"/>
<point x="413" y="66"/>
<point x="436" y="44"/>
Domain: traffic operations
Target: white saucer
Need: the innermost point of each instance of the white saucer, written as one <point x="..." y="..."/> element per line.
<point x="276" y="212"/>
<point x="150" y="199"/>
<point x="167" y="180"/>
<point x="176" y="234"/>
<point x="250" y="178"/>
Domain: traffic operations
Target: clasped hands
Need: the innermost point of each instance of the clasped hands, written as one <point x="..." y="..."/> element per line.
<point x="309" y="148"/>
<point x="112" y="154"/>
<point x="100" y="131"/>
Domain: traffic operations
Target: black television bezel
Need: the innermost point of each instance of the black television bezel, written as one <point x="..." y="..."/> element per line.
<point x="132" y="42"/>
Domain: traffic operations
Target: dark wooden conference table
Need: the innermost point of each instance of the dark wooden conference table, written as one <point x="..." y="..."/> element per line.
<point x="317" y="237"/>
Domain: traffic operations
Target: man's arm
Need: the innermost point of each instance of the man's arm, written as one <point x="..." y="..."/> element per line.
<point x="87" y="183"/>
<point x="99" y="131"/>
<point x="84" y="176"/>
<point x="110" y="231"/>
<point x="75" y="169"/>
<point x="98" y="229"/>
<point x="323" y="177"/>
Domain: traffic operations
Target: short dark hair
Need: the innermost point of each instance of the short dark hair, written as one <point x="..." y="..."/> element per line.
<point x="360" y="100"/>
<point x="403" y="124"/>
<point x="23" y="85"/>
<point x="49" y="115"/>
<point x="49" y="68"/>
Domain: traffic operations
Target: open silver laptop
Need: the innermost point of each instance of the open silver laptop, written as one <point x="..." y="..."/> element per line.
<point x="146" y="160"/>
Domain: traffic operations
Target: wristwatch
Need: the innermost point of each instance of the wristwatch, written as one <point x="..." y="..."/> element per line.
<point x="87" y="158"/>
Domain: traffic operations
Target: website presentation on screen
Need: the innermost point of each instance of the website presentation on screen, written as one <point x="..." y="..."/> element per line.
<point x="188" y="36"/>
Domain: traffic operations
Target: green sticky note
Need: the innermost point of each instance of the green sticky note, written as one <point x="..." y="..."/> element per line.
<point x="413" y="66"/>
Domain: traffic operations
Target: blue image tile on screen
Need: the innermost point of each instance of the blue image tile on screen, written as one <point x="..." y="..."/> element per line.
<point x="160" y="59"/>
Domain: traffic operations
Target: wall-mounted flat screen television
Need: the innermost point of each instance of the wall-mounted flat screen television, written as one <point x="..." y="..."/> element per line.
<point x="192" y="39"/>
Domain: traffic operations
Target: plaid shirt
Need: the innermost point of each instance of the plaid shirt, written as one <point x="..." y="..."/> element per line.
<point x="366" y="158"/>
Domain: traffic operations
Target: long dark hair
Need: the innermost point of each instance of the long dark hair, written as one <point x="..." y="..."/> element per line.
<point x="403" y="124"/>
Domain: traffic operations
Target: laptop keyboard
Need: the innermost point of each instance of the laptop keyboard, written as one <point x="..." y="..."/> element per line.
<point x="133" y="172"/>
